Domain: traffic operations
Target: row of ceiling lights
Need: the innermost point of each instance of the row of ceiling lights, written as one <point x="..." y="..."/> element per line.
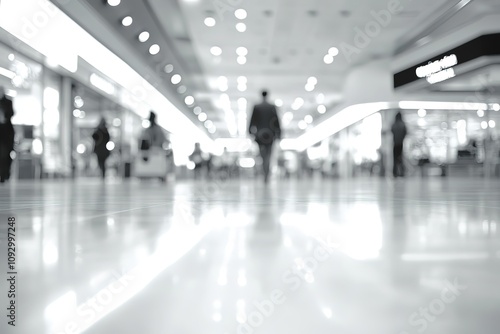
<point x="175" y="78"/>
<point x="240" y="14"/>
<point x="241" y="52"/>
<point x="330" y="56"/>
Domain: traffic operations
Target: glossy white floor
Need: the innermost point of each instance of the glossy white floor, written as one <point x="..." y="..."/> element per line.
<point x="356" y="257"/>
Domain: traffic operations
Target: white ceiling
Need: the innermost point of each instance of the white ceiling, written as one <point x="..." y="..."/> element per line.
<point x="286" y="42"/>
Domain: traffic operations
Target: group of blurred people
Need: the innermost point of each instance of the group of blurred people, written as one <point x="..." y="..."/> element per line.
<point x="264" y="127"/>
<point x="152" y="137"/>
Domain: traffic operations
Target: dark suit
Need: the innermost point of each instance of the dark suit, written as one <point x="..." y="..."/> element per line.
<point x="101" y="138"/>
<point x="265" y="127"/>
<point x="6" y="137"/>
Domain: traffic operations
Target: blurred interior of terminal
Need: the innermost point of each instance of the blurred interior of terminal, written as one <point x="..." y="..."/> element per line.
<point x="234" y="166"/>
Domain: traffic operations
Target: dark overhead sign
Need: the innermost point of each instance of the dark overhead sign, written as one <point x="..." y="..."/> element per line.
<point x="441" y="67"/>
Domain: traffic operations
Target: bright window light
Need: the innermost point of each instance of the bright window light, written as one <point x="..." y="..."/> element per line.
<point x="242" y="51"/>
<point x="240" y="14"/>
<point x="328" y="59"/>
<point x="114" y="3"/>
<point x="7" y="73"/>
<point x="37" y="146"/>
<point x="216" y="51"/>
<point x="176" y="79"/>
<point x="154" y="49"/>
<point x="143" y="36"/>
<point x="210" y="22"/>
<point x="127" y="21"/>
<point x="241" y="27"/>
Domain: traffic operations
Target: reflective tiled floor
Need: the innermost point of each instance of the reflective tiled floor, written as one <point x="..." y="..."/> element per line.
<point x="310" y="256"/>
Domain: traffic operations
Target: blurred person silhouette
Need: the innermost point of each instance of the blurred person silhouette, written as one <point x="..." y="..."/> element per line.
<point x="265" y="127"/>
<point x="399" y="133"/>
<point x="153" y="135"/>
<point x="6" y="135"/>
<point x="197" y="158"/>
<point x="101" y="139"/>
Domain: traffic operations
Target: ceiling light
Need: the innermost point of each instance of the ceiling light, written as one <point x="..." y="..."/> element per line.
<point x="169" y="68"/>
<point x="242" y="80"/>
<point x="212" y="130"/>
<point x="209" y="124"/>
<point x="114" y="3"/>
<point x="299" y="101"/>
<point x="143" y="36"/>
<point x="278" y="102"/>
<point x="127" y="21"/>
<point x="181" y="89"/>
<point x="241" y="27"/>
<point x="242" y="51"/>
<point x="176" y="79"/>
<point x="242" y="60"/>
<point x="480" y="113"/>
<point x="210" y="22"/>
<point x="484" y="125"/>
<point x="320" y="98"/>
<point x="302" y="125"/>
<point x="197" y="110"/>
<point x="422" y="113"/>
<point x="242" y="88"/>
<point x="309" y="119"/>
<point x="189" y="100"/>
<point x="496" y="107"/>
<point x="312" y="81"/>
<point x="492" y="124"/>
<point x="309" y="88"/>
<point x="154" y="49"/>
<point x="322" y="109"/>
<point x="202" y="117"/>
<point x="215" y="50"/>
<point x="328" y="59"/>
<point x="333" y="51"/>
<point x="240" y="14"/>
<point x="12" y="57"/>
